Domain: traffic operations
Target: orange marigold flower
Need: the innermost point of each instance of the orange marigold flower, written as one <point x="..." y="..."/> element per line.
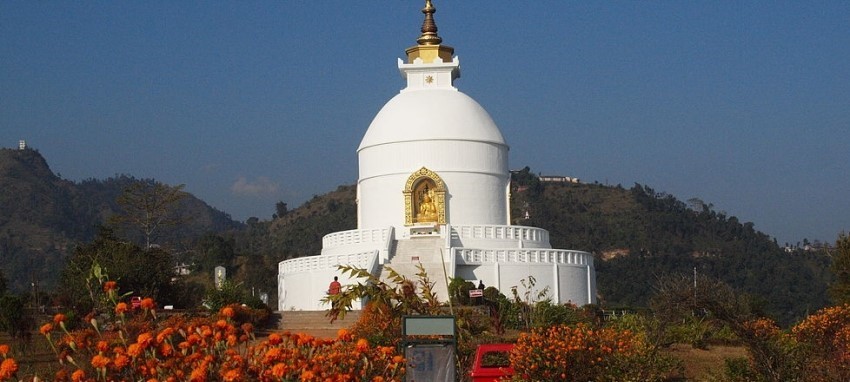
<point x="134" y="350"/>
<point x="221" y="324"/>
<point x="232" y="375"/>
<point x="99" y="361"/>
<point x="343" y="334"/>
<point x="78" y="376"/>
<point x="275" y="339"/>
<point x="110" y="286"/>
<point x="121" y="308"/>
<point x="247" y="327"/>
<point x="4" y="349"/>
<point x="59" y="317"/>
<point x="102" y="346"/>
<point x="46" y="328"/>
<point x="198" y="374"/>
<point x="307" y="375"/>
<point x="147" y="303"/>
<point x="362" y="345"/>
<point x="164" y="334"/>
<point x="120" y="361"/>
<point x="144" y="340"/>
<point x="166" y="349"/>
<point x="227" y="312"/>
<point x="8" y="368"/>
<point x="278" y="370"/>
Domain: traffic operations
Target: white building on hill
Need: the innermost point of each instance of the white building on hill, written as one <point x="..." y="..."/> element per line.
<point x="434" y="189"/>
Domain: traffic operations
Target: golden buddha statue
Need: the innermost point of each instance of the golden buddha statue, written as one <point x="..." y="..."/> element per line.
<point x="427" y="208"/>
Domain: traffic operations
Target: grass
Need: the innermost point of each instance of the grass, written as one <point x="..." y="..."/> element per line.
<point x="703" y="365"/>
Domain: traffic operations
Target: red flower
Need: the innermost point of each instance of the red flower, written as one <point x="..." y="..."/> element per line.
<point x="110" y="286"/>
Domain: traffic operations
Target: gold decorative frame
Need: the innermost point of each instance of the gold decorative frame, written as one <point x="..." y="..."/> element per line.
<point x="411" y="206"/>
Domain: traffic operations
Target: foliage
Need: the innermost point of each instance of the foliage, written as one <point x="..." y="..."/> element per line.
<point x="582" y="353"/>
<point x="825" y="341"/>
<point x="459" y="291"/>
<point x="146" y="273"/>
<point x="639" y="233"/>
<point x="13" y="319"/>
<point x="839" y="290"/>
<point x="2" y="282"/>
<point x="42" y="216"/>
<point x="228" y="293"/>
<point x="149" y="206"/>
<point x="401" y="297"/>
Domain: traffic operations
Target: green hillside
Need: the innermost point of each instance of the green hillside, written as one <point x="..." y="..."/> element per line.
<point x="639" y="235"/>
<point x="42" y="217"/>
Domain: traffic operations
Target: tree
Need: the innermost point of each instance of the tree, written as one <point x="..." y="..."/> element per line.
<point x="839" y="290"/>
<point x="281" y="209"/>
<point x="3" y="283"/>
<point x="149" y="206"/>
<point x="13" y="319"/>
<point x="146" y="273"/>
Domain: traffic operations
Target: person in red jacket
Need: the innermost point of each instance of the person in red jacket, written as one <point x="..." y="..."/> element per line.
<point x="334" y="289"/>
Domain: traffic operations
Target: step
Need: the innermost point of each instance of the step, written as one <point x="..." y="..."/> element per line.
<point x="315" y="323"/>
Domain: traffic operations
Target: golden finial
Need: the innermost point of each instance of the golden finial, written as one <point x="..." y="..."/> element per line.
<point x="429" y="27"/>
<point x="429" y="46"/>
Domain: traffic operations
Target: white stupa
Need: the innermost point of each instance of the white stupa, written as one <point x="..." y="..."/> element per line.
<point x="434" y="190"/>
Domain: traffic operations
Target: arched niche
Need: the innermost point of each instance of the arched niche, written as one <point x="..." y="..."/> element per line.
<point x="424" y="198"/>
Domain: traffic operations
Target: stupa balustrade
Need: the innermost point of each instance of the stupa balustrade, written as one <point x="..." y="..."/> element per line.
<point x="363" y="238"/>
<point x="364" y="260"/>
<point x="506" y="235"/>
<point x="474" y="256"/>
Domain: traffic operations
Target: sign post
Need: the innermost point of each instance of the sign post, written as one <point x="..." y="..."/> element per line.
<point x="429" y="344"/>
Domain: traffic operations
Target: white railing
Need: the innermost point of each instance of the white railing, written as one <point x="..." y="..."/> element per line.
<point x="355" y="236"/>
<point x="548" y="256"/>
<point x="363" y="260"/>
<point x="502" y="232"/>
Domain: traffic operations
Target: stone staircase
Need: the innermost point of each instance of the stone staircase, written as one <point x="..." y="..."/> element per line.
<point x="314" y="323"/>
<point x="411" y="252"/>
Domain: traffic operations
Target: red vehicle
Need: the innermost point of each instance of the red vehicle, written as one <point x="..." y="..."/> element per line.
<point x="492" y="361"/>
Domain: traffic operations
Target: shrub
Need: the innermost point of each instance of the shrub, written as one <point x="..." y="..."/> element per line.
<point x="581" y="353"/>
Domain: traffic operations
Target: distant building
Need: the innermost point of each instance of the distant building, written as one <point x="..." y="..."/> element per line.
<point x="558" y="179"/>
<point x="22" y="145"/>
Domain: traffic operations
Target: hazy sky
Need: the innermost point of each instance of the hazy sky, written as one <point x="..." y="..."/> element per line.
<point x="743" y="104"/>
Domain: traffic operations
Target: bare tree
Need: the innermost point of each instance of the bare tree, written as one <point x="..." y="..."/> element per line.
<point x="149" y="206"/>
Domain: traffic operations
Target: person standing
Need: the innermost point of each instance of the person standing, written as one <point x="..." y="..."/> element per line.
<point x="334" y="289"/>
<point x="335" y="286"/>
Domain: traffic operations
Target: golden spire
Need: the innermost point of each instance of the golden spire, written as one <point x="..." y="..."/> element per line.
<point x="429" y="27"/>
<point x="429" y="48"/>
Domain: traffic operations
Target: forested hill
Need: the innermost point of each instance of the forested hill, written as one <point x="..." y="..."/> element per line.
<point x="639" y="234"/>
<point x="43" y="216"/>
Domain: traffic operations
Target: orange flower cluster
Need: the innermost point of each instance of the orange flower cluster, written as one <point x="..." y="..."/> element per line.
<point x="8" y="367"/>
<point x="577" y="353"/>
<point x="292" y="356"/>
<point x="137" y="347"/>
<point x="762" y="328"/>
<point x="825" y="337"/>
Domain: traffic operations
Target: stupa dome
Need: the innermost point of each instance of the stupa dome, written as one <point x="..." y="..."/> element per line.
<point x="431" y="115"/>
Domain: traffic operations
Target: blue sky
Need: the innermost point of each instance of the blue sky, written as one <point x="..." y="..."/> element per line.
<point x="743" y="104"/>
